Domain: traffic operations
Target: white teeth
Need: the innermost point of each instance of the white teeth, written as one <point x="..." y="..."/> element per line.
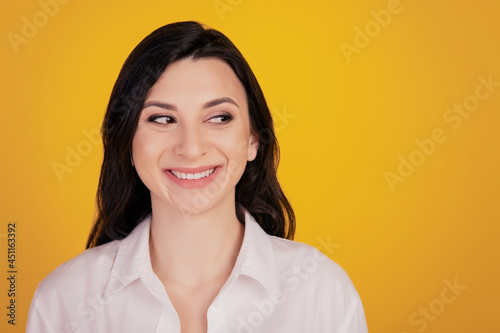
<point x="182" y="175"/>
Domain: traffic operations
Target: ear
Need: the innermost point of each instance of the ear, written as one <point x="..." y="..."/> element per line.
<point x="253" y="147"/>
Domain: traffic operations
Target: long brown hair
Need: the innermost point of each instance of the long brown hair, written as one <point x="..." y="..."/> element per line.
<point x="122" y="199"/>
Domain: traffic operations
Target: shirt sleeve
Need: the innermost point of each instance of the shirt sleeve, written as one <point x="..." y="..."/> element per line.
<point x="37" y="320"/>
<point x="342" y="303"/>
<point x="354" y="320"/>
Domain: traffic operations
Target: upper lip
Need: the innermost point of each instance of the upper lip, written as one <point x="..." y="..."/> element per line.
<point x="193" y="170"/>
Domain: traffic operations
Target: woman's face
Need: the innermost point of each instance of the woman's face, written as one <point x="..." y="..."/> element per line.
<point x="193" y="137"/>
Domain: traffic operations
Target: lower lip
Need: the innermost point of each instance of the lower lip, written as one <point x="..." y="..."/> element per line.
<point x="193" y="183"/>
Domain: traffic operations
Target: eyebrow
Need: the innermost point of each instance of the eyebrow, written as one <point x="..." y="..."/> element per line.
<point x="219" y="101"/>
<point x="207" y="105"/>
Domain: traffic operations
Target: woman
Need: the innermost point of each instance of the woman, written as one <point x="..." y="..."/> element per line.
<point x="193" y="232"/>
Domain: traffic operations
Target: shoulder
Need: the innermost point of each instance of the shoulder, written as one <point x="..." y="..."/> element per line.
<point x="91" y="269"/>
<point x="294" y="252"/>
<point x="310" y="277"/>
<point x="296" y="261"/>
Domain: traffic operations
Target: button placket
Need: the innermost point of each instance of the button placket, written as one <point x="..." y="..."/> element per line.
<point x="216" y="317"/>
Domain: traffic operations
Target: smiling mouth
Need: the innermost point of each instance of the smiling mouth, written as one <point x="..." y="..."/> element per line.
<point x="198" y="175"/>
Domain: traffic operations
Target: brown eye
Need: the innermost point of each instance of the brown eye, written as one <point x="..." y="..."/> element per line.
<point x="222" y="118"/>
<point x="162" y="119"/>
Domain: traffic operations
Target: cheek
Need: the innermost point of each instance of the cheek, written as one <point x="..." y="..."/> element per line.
<point x="235" y="148"/>
<point x="235" y="145"/>
<point x="145" y="147"/>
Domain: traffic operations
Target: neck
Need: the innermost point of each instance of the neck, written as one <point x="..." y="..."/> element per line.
<point x="193" y="249"/>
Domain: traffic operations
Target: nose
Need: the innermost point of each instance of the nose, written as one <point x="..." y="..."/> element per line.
<point x="191" y="142"/>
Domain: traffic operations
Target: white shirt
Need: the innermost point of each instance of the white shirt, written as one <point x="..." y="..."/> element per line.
<point x="276" y="285"/>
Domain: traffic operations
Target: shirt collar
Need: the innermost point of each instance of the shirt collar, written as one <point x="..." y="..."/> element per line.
<point x="256" y="256"/>
<point x="132" y="259"/>
<point x="255" y="259"/>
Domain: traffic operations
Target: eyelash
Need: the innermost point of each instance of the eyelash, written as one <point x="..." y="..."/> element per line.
<point x="153" y="119"/>
<point x="226" y="116"/>
<point x="225" y="119"/>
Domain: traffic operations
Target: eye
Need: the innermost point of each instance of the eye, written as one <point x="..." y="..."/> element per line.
<point x="222" y="118"/>
<point x="163" y="119"/>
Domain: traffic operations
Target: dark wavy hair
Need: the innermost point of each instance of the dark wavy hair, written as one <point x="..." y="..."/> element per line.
<point x="122" y="199"/>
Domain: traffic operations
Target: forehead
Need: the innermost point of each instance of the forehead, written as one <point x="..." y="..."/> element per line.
<point x="197" y="80"/>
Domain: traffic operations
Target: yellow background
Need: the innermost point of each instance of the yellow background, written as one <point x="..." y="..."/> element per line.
<point x="342" y="125"/>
